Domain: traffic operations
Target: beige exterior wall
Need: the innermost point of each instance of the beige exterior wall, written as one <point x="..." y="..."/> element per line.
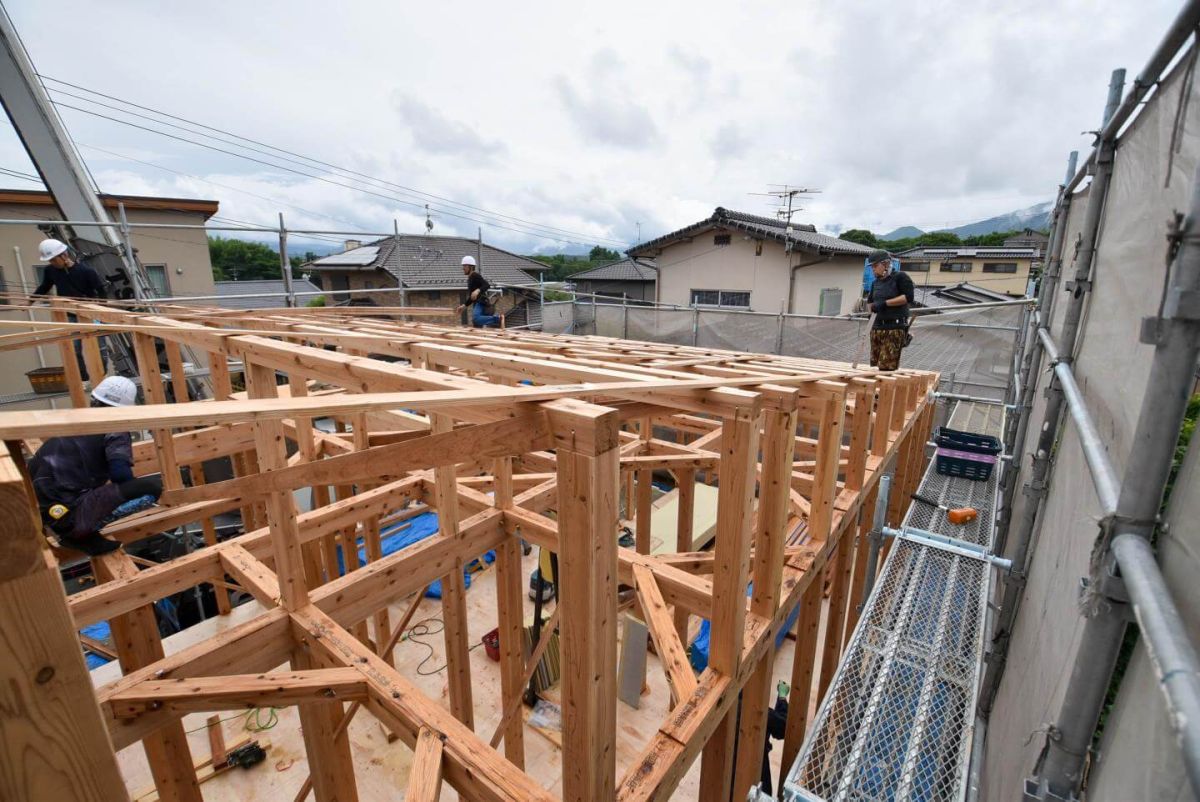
<point x="761" y="268"/>
<point x="373" y="279"/>
<point x="182" y="253"/>
<point x="1008" y="283"/>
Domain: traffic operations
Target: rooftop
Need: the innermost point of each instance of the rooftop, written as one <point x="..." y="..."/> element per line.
<point x="978" y="252"/>
<point x="230" y="290"/>
<point x="421" y="261"/>
<point x="804" y="237"/>
<point x="624" y="270"/>
<point x="34" y="197"/>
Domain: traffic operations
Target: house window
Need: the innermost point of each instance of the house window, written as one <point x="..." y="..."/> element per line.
<point x="956" y="267"/>
<point x="368" y="285"/>
<point x="435" y="295"/>
<point x="736" y="299"/>
<point x="158" y="280"/>
<point x="915" y="267"/>
<point x="722" y="239"/>
<point x="1000" y="267"/>
<point x="831" y="301"/>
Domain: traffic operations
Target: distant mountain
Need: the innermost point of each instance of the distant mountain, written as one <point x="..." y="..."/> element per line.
<point x="902" y="233"/>
<point x="1036" y="217"/>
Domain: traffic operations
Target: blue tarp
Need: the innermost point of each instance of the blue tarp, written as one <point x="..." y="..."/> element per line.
<point x="698" y="654"/>
<point x="99" y="631"/>
<point x="401" y="535"/>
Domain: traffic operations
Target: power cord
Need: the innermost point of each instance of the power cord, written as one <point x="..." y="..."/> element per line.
<point x="424" y="628"/>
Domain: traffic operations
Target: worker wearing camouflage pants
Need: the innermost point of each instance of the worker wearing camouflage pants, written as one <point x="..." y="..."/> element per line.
<point x="890" y="298"/>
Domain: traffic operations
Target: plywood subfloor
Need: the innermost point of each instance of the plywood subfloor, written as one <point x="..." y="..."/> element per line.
<point x="382" y="768"/>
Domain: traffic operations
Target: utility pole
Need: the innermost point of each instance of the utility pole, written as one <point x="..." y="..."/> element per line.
<point x="285" y="264"/>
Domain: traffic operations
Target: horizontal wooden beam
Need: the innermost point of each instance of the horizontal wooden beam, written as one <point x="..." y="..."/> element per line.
<point x="239" y="691"/>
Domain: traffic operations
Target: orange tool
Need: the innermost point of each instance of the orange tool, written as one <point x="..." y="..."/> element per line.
<point x="955" y="515"/>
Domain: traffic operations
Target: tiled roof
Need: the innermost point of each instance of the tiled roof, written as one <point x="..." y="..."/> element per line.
<point x="804" y="237"/>
<point x="957" y="294"/>
<point x="624" y="270"/>
<point x="427" y="262"/>
<point x="228" y="290"/>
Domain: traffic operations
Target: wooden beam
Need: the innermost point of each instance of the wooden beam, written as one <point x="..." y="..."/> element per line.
<point x="425" y="776"/>
<point x="53" y="744"/>
<point x="239" y="691"/>
<point x="667" y="643"/>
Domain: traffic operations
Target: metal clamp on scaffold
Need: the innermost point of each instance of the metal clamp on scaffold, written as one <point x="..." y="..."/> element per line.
<point x="946" y="543"/>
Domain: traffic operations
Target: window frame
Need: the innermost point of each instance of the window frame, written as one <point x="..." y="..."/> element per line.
<point x="949" y="267"/>
<point x="991" y="267"/>
<point x="166" y="277"/>
<point x="915" y="267"/>
<point x="720" y="299"/>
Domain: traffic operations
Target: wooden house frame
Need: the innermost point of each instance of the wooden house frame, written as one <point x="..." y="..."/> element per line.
<point x="508" y="436"/>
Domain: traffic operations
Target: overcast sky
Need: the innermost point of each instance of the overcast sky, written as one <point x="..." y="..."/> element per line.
<point x="591" y="118"/>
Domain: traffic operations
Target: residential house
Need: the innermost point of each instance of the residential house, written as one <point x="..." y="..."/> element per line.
<point x="424" y="270"/>
<point x="957" y="295"/>
<point x="176" y="260"/>
<point x="1005" y="269"/>
<point x="1028" y="238"/>
<point x="739" y="261"/>
<point x="627" y="280"/>
<point x="263" y="293"/>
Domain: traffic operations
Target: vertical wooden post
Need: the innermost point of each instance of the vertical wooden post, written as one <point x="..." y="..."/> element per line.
<point x="207" y="527"/>
<point x="454" y="591"/>
<point x="135" y="636"/>
<point x="511" y="619"/>
<point x="799" y="698"/>
<point x="774" y="496"/>
<point x="74" y="378"/>
<point x="643" y="500"/>
<point x="328" y="750"/>
<point x="588" y="474"/>
<point x="880" y="434"/>
<point x="685" y="480"/>
<point x="93" y="359"/>
<point x="372" y="544"/>
<point x="53" y="742"/>
<point x="313" y="551"/>
<point x="739" y="456"/>
<point x="828" y="456"/>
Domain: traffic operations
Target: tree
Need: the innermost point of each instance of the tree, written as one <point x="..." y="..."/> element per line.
<point x="241" y="260"/>
<point x="601" y="254"/>
<point x="861" y="236"/>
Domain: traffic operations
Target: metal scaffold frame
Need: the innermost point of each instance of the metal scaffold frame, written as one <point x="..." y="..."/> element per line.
<point x="508" y="436"/>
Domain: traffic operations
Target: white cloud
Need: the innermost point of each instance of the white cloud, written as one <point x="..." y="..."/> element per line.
<point x="595" y="118"/>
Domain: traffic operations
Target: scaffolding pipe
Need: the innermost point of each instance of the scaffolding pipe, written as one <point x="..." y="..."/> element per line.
<point x="1104" y="476"/>
<point x="1165" y="636"/>
<point x="1176" y="336"/>
<point x="876" y="537"/>
<point x="1035" y="488"/>
<point x="1182" y="28"/>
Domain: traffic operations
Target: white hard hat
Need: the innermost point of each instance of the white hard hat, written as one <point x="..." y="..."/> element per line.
<point x="50" y="248"/>
<point x="116" y="391"/>
<point x="469" y="260"/>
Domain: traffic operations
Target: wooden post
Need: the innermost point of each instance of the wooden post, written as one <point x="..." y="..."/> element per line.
<point x="643" y="500"/>
<point x="739" y="453"/>
<point x="511" y="619"/>
<point x="138" y="644"/>
<point x="328" y="751"/>
<point x="829" y="450"/>
<point x="773" y="504"/>
<point x="685" y="479"/>
<point x="53" y="742"/>
<point x="800" y="696"/>
<point x="588" y="473"/>
<point x="372" y="544"/>
<point x="454" y="591"/>
<point x="70" y="364"/>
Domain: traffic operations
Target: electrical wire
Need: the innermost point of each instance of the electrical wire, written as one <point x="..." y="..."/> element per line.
<point x="527" y="227"/>
<point x="423" y="628"/>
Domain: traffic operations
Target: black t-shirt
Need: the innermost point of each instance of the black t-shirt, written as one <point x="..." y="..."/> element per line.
<point x="77" y="281"/>
<point x="891" y="285"/>
<point x="477" y="282"/>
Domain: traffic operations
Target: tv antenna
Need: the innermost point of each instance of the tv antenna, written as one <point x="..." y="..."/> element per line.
<point x="785" y="204"/>
<point x="428" y="221"/>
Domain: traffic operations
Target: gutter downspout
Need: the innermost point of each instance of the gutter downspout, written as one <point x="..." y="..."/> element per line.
<point x="791" y="299"/>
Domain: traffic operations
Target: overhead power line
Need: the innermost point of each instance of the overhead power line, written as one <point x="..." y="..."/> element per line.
<point x="485" y="216"/>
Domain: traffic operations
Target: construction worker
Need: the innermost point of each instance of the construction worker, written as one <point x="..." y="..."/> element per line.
<point x="477" y="289"/>
<point x="890" y="298"/>
<point x="81" y="481"/>
<point x="70" y="278"/>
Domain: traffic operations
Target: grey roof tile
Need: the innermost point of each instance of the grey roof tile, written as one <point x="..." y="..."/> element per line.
<point x="228" y="290"/>
<point x="805" y="237"/>
<point x="428" y="262"/>
<point x="624" y="270"/>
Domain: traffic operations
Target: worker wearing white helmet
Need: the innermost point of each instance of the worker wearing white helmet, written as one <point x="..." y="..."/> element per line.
<point x="82" y="482"/>
<point x="71" y="278"/>
<point x="477" y="290"/>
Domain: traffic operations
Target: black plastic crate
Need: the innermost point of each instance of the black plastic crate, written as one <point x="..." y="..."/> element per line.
<point x="966" y="455"/>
